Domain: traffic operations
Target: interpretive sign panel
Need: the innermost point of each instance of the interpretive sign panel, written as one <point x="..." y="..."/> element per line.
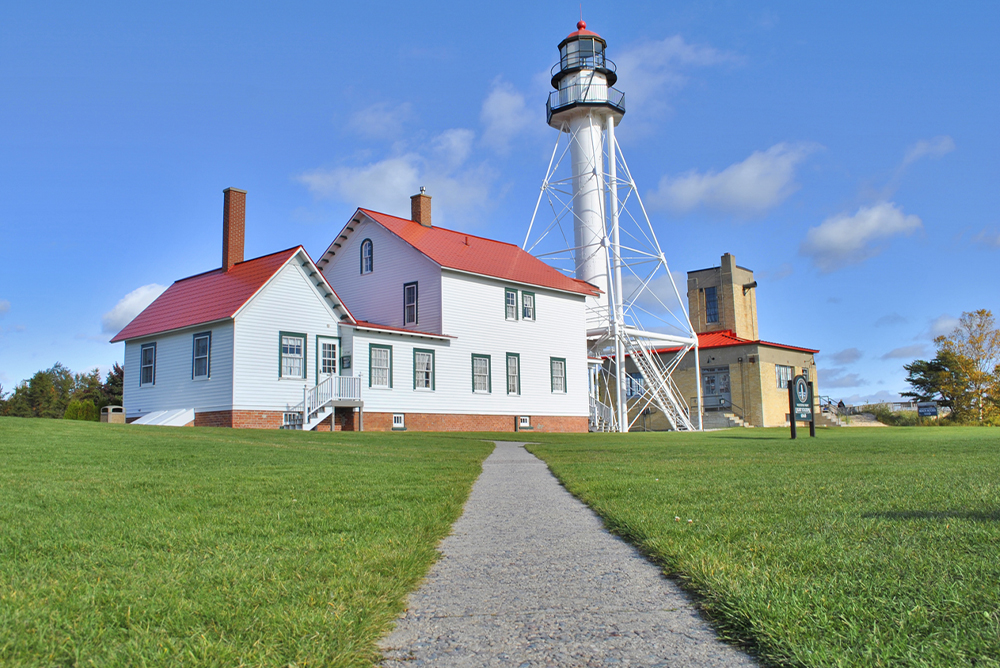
<point x="802" y="399"/>
<point x="927" y="408"/>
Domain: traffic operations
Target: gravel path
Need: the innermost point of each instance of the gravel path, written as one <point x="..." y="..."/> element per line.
<point x="530" y="577"/>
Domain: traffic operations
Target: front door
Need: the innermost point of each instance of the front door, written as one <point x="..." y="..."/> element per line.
<point x="326" y="362"/>
<point x="715" y="388"/>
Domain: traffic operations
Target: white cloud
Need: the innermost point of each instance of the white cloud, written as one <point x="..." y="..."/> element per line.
<point x="987" y="238"/>
<point x="752" y="187"/>
<point x="847" y="356"/>
<point x="649" y="70"/>
<point x="4" y="306"/>
<point x="836" y="378"/>
<point x="843" y="239"/>
<point x="934" y="148"/>
<point x="386" y="185"/>
<point x="943" y="325"/>
<point x="906" y="352"/>
<point x="130" y="306"/>
<point x="381" y="120"/>
<point x="504" y="115"/>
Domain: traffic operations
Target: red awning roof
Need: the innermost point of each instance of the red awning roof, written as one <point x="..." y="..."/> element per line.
<point x="214" y="295"/>
<point x="727" y="337"/>
<point x="478" y="255"/>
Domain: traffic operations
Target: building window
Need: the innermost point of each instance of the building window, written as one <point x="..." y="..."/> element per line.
<point x="147" y="364"/>
<point x="327" y="357"/>
<point x="379" y="365"/>
<point x="784" y="375"/>
<point x="398" y="422"/>
<point x="367" y="256"/>
<point x="292" y="355"/>
<point x="513" y="373"/>
<point x="423" y="369"/>
<point x="557" y="365"/>
<point x="481" y="381"/>
<point x="524" y="422"/>
<point x="200" y="365"/>
<point x="528" y="305"/>
<point x="711" y="305"/>
<point x="410" y="304"/>
<point x="634" y="385"/>
<point x="510" y="303"/>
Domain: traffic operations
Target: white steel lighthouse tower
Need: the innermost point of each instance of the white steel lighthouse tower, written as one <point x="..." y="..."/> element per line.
<point x="640" y="310"/>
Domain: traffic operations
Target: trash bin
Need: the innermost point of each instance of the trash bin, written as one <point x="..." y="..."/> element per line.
<point x="113" y="414"/>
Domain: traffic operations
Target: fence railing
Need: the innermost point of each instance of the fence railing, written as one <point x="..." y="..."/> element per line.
<point x="334" y="388"/>
<point x="589" y="93"/>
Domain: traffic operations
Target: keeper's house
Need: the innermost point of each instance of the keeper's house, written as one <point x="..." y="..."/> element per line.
<point x="445" y="331"/>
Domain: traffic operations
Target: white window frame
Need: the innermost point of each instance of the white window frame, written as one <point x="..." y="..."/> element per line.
<point x="516" y="377"/>
<point x="558" y="381"/>
<point x="410" y="303"/>
<point x="399" y="422"/>
<point x="423" y="376"/>
<point x="487" y="384"/>
<point x="510" y="303"/>
<point x="151" y="365"/>
<point x="195" y="357"/>
<point x="321" y="369"/>
<point x="367" y="261"/>
<point x="385" y="384"/>
<point x="286" y="344"/>
<point x="527" y="305"/>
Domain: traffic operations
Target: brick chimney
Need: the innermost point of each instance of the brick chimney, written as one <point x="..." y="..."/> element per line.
<point x="420" y="208"/>
<point x="234" y="212"/>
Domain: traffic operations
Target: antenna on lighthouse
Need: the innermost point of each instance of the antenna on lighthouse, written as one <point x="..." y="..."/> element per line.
<point x="600" y="233"/>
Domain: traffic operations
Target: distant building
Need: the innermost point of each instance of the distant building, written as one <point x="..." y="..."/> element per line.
<point x="744" y="379"/>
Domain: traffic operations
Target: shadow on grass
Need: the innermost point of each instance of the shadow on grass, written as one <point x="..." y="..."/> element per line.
<point x="974" y="515"/>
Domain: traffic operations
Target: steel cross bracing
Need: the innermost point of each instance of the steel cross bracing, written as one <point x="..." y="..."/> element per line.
<point x="643" y="310"/>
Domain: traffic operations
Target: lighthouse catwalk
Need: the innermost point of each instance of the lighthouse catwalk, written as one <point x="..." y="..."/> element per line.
<point x="590" y="222"/>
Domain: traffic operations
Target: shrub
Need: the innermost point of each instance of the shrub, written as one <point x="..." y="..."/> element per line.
<point x="81" y="410"/>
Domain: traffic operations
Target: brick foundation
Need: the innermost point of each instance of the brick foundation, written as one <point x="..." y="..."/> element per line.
<point x="466" y="422"/>
<point x="239" y="419"/>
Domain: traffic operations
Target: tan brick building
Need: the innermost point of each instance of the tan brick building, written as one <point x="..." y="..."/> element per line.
<point x="744" y="379"/>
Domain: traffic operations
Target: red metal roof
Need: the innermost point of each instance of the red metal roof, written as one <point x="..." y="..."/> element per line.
<point x="214" y="295"/>
<point x="581" y="31"/>
<point x="727" y="337"/>
<point x="478" y="255"/>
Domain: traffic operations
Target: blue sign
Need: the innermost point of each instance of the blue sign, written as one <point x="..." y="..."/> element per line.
<point x="927" y="409"/>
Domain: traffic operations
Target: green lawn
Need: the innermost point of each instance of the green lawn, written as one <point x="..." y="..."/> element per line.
<point x="861" y="547"/>
<point x="125" y="545"/>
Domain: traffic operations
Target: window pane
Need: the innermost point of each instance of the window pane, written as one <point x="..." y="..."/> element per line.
<point x="423" y="368"/>
<point x="512" y="384"/>
<point x="711" y="305"/>
<point x="380" y="367"/>
<point x="558" y="376"/>
<point x="481" y="374"/>
<point x="528" y="306"/>
<point x="328" y="358"/>
<point x="201" y="366"/>
<point x="511" y="298"/>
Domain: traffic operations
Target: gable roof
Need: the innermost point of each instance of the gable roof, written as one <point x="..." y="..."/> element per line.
<point x="471" y="254"/>
<point x="727" y="337"/>
<point x="211" y="296"/>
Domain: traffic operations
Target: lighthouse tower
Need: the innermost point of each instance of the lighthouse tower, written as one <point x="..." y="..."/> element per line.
<point x="639" y="311"/>
<point x="585" y="106"/>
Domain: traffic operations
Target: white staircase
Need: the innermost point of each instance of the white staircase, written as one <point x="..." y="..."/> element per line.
<point x="319" y="402"/>
<point x="600" y="416"/>
<point x="660" y="389"/>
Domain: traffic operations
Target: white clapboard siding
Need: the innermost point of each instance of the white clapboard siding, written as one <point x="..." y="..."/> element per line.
<point x="378" y="296"/>
<point x="474" y="313"/>
<point x="174" y="387"/>
<point x="288" y="303"/>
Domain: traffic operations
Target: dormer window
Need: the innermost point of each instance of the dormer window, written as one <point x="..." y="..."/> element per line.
<point x="367" y="256"/>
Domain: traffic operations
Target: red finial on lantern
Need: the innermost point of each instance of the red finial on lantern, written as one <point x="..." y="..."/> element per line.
<point x="581" y="25"/>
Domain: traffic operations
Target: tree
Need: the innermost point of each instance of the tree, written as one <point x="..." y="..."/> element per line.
<point x="81" y="410"/>
<point x="975" y="344"/>
<point x="114" y="386"/>
<point x="941" y="380"/>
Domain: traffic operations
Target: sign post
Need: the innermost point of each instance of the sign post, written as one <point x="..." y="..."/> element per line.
<point x="800" y="404"/>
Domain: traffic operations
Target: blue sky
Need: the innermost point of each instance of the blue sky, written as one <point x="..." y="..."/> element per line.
<point x="846" y="153"/>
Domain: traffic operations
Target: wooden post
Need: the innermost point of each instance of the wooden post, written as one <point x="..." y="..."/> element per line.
<point x="791" y="408"/>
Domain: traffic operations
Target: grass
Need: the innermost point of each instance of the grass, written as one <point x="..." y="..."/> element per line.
<point x="124" y="545"/>
<point x="861" y="547"/>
